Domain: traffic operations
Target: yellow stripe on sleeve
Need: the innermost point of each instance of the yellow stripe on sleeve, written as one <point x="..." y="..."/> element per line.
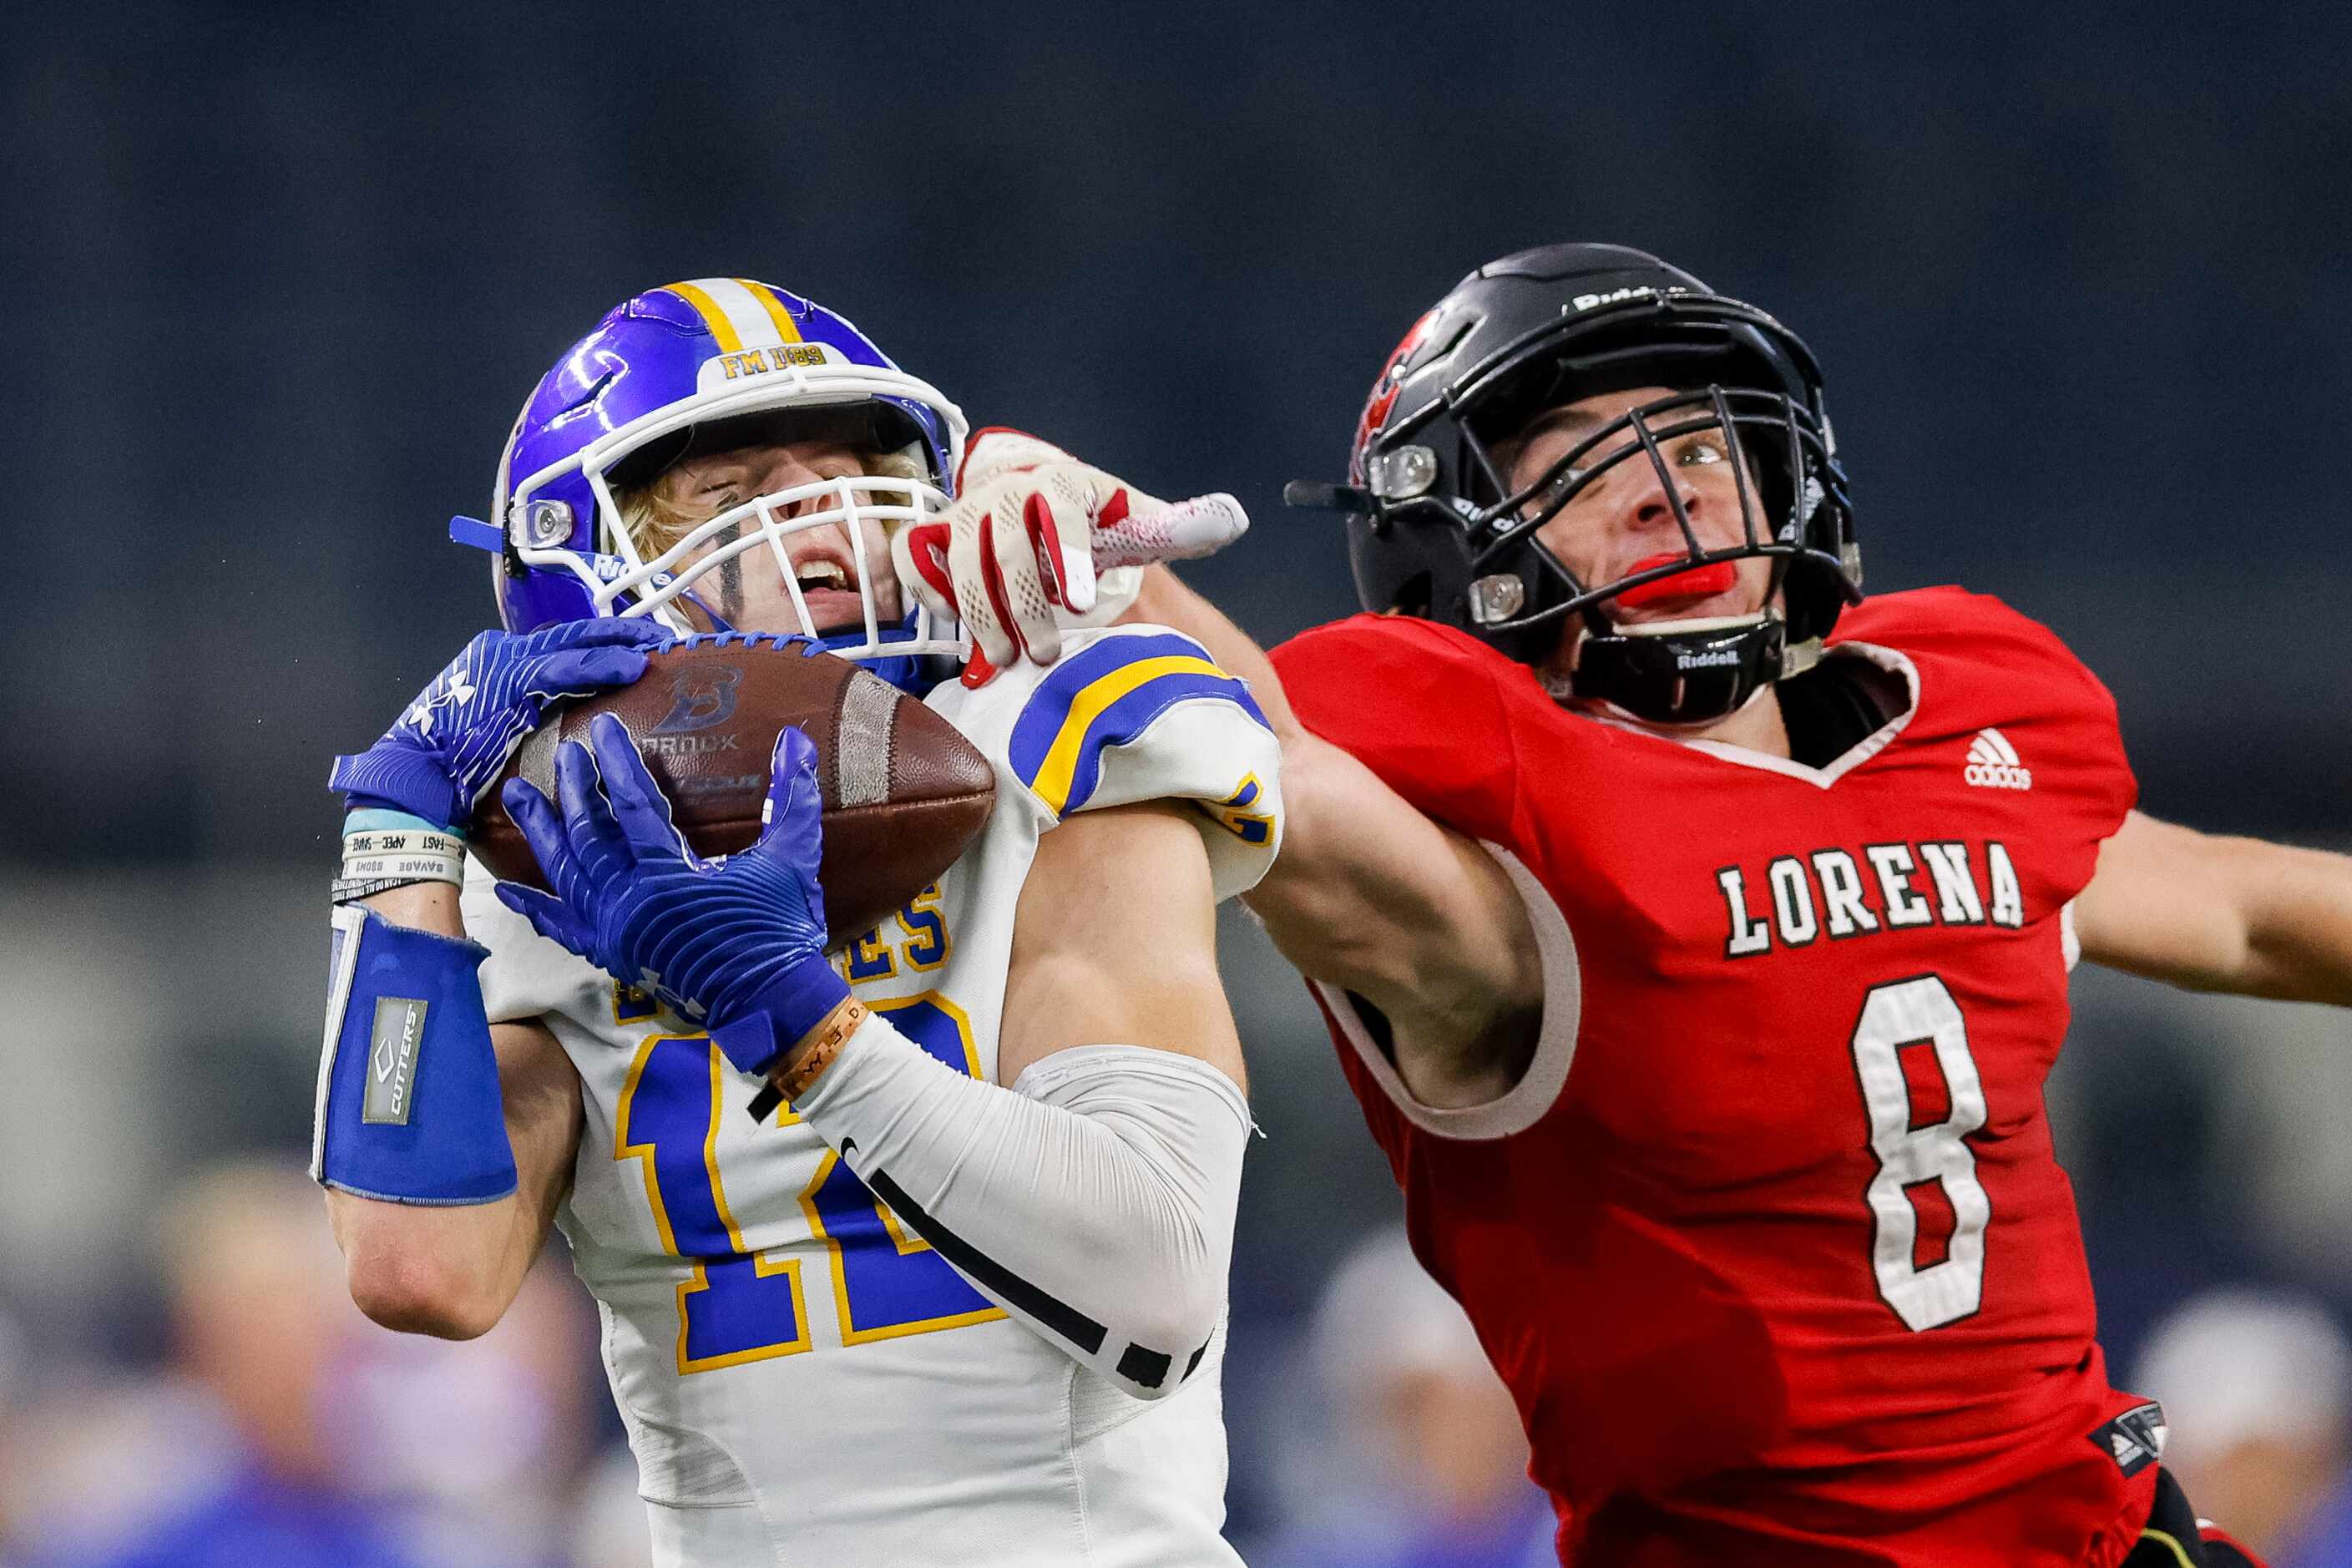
<point x="1056" y="774"/>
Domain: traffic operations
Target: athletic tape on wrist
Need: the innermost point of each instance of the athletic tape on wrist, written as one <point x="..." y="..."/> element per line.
<point x="408" y="1107"/>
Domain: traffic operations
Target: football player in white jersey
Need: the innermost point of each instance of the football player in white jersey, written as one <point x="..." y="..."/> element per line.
<point x="960" y="1298"/>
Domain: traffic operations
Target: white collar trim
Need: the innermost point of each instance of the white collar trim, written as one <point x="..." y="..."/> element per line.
<point x="1525" y="1102"/>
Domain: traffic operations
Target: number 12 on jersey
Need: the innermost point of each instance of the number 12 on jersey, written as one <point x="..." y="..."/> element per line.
<point x="738" y="1306"/>
<point x="1920" y="1011"/>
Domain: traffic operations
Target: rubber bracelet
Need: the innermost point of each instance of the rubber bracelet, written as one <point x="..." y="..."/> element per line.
<point x="405" y="867"/>
<point x="806" y="1061"/>
<point x="403" y="841"/>
<point x="377" y="851"/>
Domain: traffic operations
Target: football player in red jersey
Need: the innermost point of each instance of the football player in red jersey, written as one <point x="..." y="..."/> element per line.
<point x="1696" y="935"/>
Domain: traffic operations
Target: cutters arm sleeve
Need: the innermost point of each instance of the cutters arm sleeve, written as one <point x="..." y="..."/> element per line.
<point x="451" y="1270"/>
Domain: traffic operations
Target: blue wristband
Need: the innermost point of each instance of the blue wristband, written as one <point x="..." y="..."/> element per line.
<point x="408" y="1109"/>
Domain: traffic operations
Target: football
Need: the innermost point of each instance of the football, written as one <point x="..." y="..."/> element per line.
<point x="904" y="792"/>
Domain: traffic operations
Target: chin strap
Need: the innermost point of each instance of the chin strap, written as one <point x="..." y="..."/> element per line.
<point x="913" y="673"/>
<point x="1688" y="672"/>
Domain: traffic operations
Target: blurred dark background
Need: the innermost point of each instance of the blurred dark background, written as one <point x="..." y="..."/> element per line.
<point x="2078" y="278"/>
<point x="282" y="281"/>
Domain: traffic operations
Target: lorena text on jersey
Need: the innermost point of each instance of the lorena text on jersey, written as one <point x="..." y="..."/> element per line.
<point x="1796" y="899"/>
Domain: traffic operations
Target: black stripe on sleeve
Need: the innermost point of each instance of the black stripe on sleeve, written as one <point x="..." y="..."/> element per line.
<point x="998" y="1281"/>
<point x="1143" y="1368"/>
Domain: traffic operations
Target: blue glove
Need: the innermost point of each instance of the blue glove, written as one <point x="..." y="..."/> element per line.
<point x="736" y="943"/>
<point x="456" y="737"/>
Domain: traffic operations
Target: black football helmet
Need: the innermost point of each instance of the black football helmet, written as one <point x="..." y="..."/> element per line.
<point x="1435" y="531"/>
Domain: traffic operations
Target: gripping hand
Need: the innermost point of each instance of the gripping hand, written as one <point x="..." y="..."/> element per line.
<point x="736" y="943"/>
<point x="456" y="737"/>
<point x="1037" y="540"/>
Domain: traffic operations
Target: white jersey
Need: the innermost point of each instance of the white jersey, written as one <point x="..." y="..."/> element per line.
<point x="803" y="1380"/>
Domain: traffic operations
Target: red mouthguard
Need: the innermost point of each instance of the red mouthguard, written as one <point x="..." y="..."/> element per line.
<point x="1682" y="588"/>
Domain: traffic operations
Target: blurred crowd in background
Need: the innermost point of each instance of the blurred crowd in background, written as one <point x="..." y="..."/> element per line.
<point x="282" y="274"/>
<point x="183" y="1380"/>
<point x="281" y="1429"/>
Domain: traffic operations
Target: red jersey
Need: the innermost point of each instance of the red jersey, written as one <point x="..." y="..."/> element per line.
<point x="1769" y="1243"/>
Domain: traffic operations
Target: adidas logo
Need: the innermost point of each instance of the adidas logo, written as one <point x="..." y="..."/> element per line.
<point x="2134" y="1439"/>
<point x="1993" y="765"/>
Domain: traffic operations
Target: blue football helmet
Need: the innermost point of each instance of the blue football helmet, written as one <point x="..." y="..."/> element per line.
<point x="629" y="399"/>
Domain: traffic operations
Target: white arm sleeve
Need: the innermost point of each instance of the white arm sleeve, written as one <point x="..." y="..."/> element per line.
<point x="1093" y="1200"/>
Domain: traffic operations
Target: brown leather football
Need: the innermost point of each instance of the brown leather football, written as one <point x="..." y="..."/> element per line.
<point x="904" y="792"/>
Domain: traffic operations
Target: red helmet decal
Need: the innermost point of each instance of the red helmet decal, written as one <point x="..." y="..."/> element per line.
<point x="1384" y="394"/>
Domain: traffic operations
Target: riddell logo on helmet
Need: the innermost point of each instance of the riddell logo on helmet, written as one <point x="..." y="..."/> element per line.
<point x="1993" y="763"/>
<point x="1705" y="660"/>
<point x="1587" y="301"/>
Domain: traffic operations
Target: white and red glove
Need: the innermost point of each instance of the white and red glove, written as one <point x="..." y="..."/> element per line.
<point x="1038" y="542"/>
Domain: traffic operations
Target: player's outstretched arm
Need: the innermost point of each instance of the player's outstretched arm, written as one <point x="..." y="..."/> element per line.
<point x="1371" y="896"/>
<point x="1368" y="894"/>
<point x="2214" y="913"/>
